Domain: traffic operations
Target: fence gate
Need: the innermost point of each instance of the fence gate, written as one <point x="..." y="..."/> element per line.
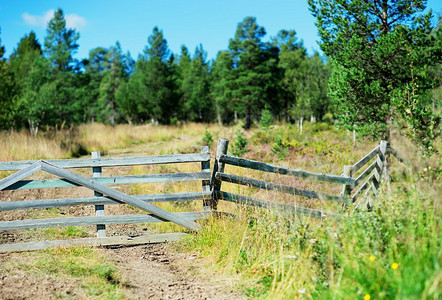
<point x="104" y="195"/>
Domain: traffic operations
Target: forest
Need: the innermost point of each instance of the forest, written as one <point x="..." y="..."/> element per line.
<point x="44" y="85"/>
<point x="380" y="65"/>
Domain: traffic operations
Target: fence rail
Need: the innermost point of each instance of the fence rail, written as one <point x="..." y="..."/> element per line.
<point x="368" y="179"/>
<point x="110" y="162"/>
<point x="104" y="195"/>
<point x="260" y="166"/>
<point x="370" y="170"/>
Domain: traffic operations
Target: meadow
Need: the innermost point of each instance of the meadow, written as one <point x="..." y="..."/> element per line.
<point x="391" y="251"/>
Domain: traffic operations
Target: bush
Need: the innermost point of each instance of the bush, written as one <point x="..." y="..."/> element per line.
<point x="240" y="146"/>
<point x="266" y="119"/>
<point x="207" y="138"/>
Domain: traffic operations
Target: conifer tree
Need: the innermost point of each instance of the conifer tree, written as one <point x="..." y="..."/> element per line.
<point x="380" y="51"/>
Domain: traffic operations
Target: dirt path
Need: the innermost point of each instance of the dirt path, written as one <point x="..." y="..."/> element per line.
<point x="145" y="272"/>
<point x="155" y="272"/>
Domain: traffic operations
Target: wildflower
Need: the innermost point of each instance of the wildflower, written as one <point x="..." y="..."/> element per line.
<point x="302" y="291"/>
<point x="394" y="266"/>
<point x="367" y="297"/>
<point x="371" y="258"/>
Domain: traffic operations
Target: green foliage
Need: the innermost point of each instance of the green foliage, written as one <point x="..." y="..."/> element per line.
<point x="266" y="119"/>
<point x="240" y="145"/>
<point x="7" y="86"/>
<point x="380" y="54"/>
<point x="392" y="252"/>
<point x="208" y="138"/>
<point x="196" y="103"/>
<point x="253" y="62"/>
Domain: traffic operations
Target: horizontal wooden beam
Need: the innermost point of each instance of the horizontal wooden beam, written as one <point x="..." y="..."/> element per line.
<point x="63" y="202"/>
<point x="110" y="162"/>
<point x="114" y="180"/>
<point x="366" y="172"/>
<point x="94" y="242"/>
<point x="280" y="187"/>
<point x="281" y="207"/>
<point x="94" y="220"/>
<point x="365" y="159"/>
<point x="260" y="166"/>
<point x="365" y="185"/>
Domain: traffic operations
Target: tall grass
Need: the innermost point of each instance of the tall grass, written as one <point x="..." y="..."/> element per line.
<point x="392" y="251"/>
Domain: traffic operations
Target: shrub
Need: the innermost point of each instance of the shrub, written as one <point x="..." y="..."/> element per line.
<point x="266" y="119"/>
<point x="240" y="146"/>
<point x="207" y="138"/>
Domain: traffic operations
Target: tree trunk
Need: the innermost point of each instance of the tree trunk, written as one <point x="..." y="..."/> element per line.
<point x="248" y="123"/>
<point x="301" y="120"/>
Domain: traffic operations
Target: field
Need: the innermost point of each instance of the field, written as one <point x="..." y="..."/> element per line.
<point x="392" y="251"/>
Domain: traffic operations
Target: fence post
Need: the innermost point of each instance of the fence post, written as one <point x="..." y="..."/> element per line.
<point x="99" y="209"/>
<point x="383" y="156"/>
<point x="346" y="189"/>
<point x="218" y="166"/>
<point x="205" y="167"/>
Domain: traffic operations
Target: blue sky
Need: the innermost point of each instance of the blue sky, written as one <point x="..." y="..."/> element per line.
<point x="209" y="22"/>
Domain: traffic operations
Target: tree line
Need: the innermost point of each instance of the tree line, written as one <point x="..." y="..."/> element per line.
<point x="44" y="85"/>
<point x="383" y="68"/>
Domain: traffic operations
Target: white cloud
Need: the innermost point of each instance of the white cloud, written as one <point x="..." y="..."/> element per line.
<point x="75" y="21"/>
<point x="38" y="21"/>
<point x="72" y="20"/>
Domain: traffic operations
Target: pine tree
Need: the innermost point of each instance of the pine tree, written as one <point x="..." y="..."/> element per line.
<point x="7" y="91"/>
<point x="113" y="75"/>
<point x="222" y="79"/>
<point x="60" y="46"/>
<point x="36" y="92"/>
<point x="254" y="62"/>
<point x="379" y="51"/>
<point x="161" y="100"/>
<point x="195" y="87"/>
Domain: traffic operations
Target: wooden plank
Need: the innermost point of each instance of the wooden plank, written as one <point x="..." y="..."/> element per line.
<point x="94" y="242"/>
<point x="363" y="161"/>
<point x="99" y="208"/>
<point x="260" y="166"/>
<point x="113" y="180"/>
<point x="282" y="207"/>
<point x="117" y="195"/>
<point x="110" y="162"/>
<point x="63" y="202"/>
<point x="93" y="220"/>
<point x="363" y="186"/>
<point x="366" y="172"/>
<point x="205" y="167"/>
<point x="17" y="176"/>
<point x="280" y="187"/>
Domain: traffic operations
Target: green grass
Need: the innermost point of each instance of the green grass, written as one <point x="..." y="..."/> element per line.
<point x="98" y="277"/>
<point x="391" y="252"/>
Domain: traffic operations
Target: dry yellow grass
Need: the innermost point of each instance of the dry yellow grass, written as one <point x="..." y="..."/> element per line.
<point x="22" y="146"/>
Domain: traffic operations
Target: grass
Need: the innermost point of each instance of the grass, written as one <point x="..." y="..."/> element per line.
<point x="392" y="251"/>
<point x="97" y="277"/>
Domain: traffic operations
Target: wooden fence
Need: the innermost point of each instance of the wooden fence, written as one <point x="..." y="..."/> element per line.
<point x="104" y="195"/>
<point x="367" y="179"/>
<point x="360" y="179"/>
